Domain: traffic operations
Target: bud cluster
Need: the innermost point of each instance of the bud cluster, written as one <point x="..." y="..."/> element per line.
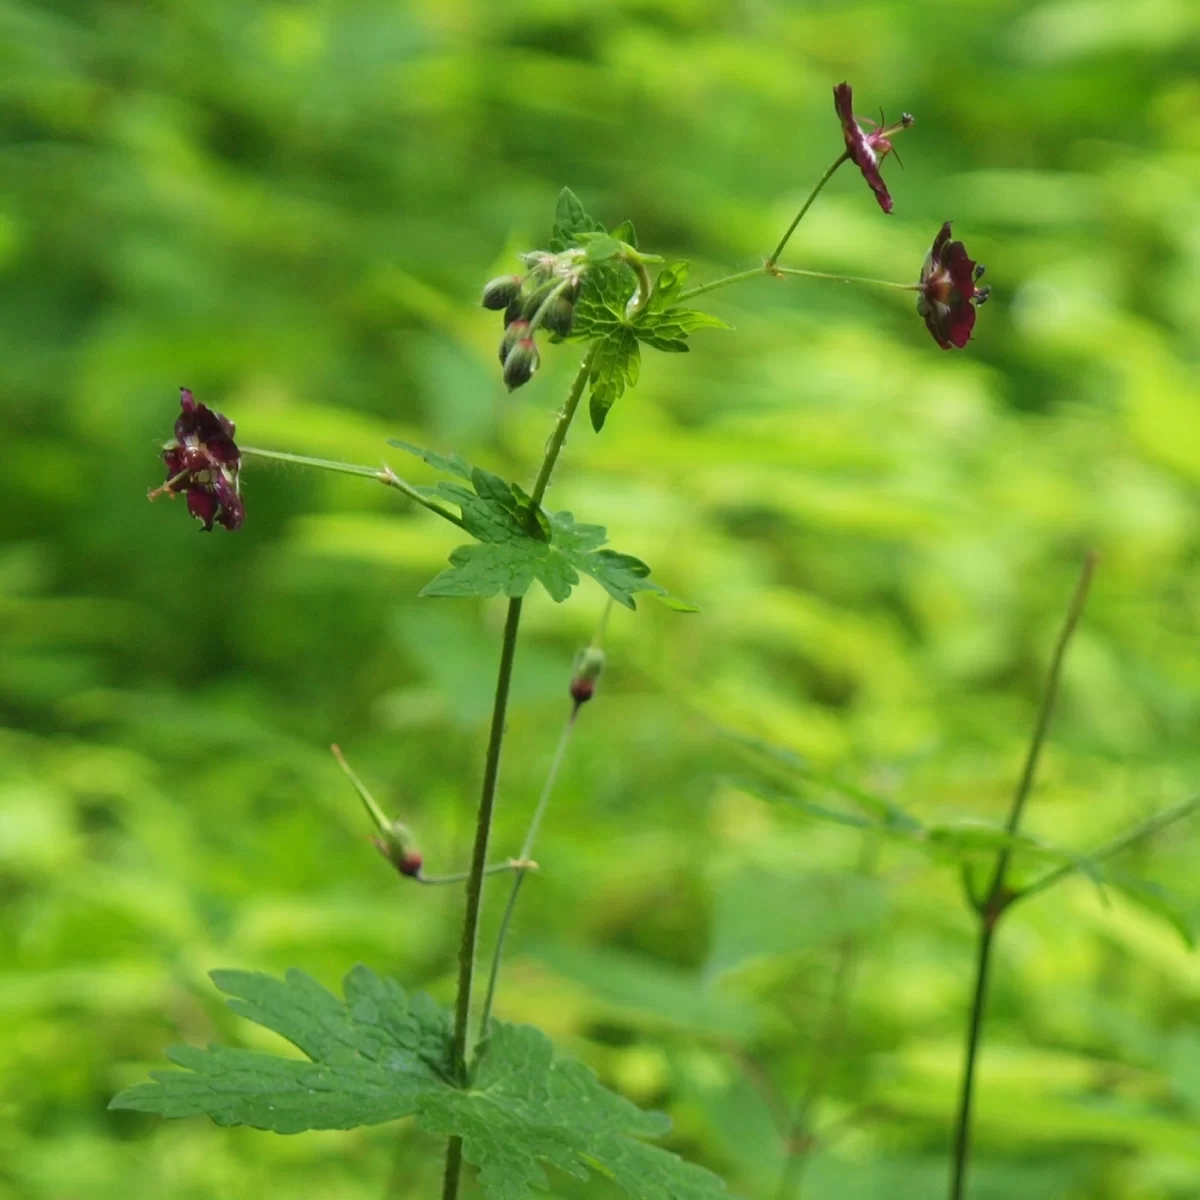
<point x="543" y="298"/>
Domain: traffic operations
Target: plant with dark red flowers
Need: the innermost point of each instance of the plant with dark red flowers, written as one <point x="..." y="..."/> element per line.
<point x="203" y="462"/>
<point x="381" y="1055"/>
<point x="948" y="292"/>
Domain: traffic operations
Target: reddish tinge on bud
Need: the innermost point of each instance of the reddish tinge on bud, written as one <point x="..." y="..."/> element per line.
<point x="203" y="461"/>
<point x="396" y="846"/>
<point x="589" y="664"/>
<point x="516" y="330"/>
<point x="520" y="363"/>
<point x="500" y="292"/>
<point x="948" y="294"/>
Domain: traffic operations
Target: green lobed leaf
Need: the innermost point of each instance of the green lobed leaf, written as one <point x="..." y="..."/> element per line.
<point x="626" y="233"/>
<point x="602" y="311"/>
<point x="380" y="1055"/>
<point x="570" y="220"/>
<point x="517" y="543"/>
<point x="615" y="367"/>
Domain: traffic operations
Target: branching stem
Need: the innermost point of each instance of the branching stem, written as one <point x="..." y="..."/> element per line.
<point x="997" y="898"/>
<point x="384" y="474"/>
<point x="491" y="776"/>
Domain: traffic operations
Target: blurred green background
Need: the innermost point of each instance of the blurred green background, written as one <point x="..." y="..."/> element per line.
<point x="290" y="207"/>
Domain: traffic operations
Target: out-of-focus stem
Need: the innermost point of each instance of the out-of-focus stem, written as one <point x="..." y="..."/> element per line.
<point x="997" y="899"/>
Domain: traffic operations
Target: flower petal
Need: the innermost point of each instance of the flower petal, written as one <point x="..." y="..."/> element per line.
<point x="961" y="268"/>
<point x="959" y="323"/>
<point x="858" y="147"/>
<point x="202" y="504"/>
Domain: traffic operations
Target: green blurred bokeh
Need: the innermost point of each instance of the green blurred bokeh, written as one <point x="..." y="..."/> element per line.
<point x="290" y="207"/>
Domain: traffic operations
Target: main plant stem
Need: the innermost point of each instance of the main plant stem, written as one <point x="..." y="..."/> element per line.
<point x="998" y="897"/>
<point x="487" y="799"/>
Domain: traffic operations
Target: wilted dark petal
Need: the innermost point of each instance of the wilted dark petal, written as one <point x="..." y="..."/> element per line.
<point x="961" y="268"/>
<point x="202" y="504"/>
<point x="959" y="322"/>
<point x="935" y="254"/>
<point x="227" y="425"/>
<point x="186" y="400"/>
<point x="221" y="449"/>
<point x="858" y="147"/>
<point x="173" y="458"/>
<point x="208" y="425"/>
<point x="843" y="104"/>
<point x="869" y="167"/>
<point x="232" y="514"/>
<point x="934" y="324"/>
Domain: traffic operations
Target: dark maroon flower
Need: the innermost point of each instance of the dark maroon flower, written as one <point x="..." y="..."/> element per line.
<point x="203" y="461"/>
<point x="948" y="292"/>
<point x="867" y="148"/>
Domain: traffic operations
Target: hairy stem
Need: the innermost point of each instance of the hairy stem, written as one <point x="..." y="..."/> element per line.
<point x="997" y="899"/>
<point x="801" y="272"/>
<point x="491" y="775"/>
<point x="470" y="930"/>
<point x="565" y="417"/>
<point x="384" y="475"/>
<point x="526" y="853"/>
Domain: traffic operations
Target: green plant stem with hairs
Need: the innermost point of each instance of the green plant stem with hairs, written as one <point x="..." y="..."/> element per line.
<point x="523" y="862"/>
<point x="996" y="900"/>
<point x="491" y="777"/>
<point x="770" y="265"/>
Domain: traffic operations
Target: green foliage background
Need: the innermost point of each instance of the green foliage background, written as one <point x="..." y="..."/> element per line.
<point x="290" y="208"/>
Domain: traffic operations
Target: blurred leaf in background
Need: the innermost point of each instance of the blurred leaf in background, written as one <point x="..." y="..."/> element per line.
<point x="291" y="208"/>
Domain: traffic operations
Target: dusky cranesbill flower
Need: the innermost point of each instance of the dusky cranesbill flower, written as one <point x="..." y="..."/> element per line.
<point x="947" y="294"/>
<point x="203" y="461"/>
<point x="867" y="148"/>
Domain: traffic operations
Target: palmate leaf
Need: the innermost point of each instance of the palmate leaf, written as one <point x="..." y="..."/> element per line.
<point x="380" y="1055"/>
<point x="570" y="220"/>
<point x="603" y="310"/>
<point x="517" y="543"/>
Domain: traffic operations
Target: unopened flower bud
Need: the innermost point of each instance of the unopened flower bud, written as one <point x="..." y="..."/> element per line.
<point x="513" y="334"/>
<point x="520" y="363"/>
<point x="559" y="315"/>
<point x="588" y="665"/>
<point x="396" y="844"/>
<point x="500" y="292"/>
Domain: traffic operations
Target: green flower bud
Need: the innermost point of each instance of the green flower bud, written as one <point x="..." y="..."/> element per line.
<point x="520" y="364"/>
<point x="535" y="299"/>
<point x="560" y="315"/>
<point x="395" y="843"/>
<point x="516" y="330"/>
<point x="500" y="292"/>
